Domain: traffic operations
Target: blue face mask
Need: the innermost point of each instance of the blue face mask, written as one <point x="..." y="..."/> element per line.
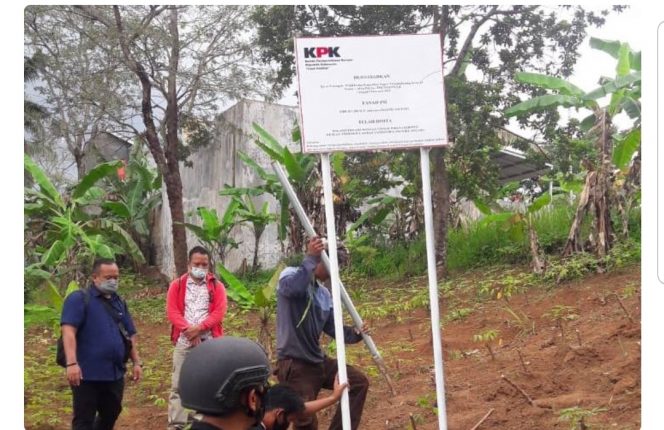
<point x="108" y="286"/>
<point x="198" y="272"/>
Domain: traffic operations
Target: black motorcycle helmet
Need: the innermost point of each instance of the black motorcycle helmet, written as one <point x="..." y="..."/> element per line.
<point x="215" y="374"/>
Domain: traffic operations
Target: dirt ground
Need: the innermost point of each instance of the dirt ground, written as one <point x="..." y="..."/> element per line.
<point x="596" y="366"/>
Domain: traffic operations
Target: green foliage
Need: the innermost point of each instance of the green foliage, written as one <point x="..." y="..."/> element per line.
<point x="562" y="313"/>
<point x="397" y="260"/>
<point x="64" y="233"/>
<point x="576" y="416"/>
<point x="486" y="336"/>
<point x="458" y="314"/>
<point x="135" y="196"/>
<point x="215" y="231"/>
<point x="622" y="254"/>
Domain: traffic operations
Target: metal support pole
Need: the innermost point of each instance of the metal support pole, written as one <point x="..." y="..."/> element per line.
<point x="433" y="289"/>
<point x="336" y="293"/>
<point x="345" y="298"/>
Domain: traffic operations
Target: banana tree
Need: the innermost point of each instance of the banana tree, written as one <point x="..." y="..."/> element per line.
<point x="248" y="212"/>
<point x="64" y="232"/>
<point x="625" y="92"/>
<point x="134" y="197"/>
<point x="520" y="223"/>
<point x="304" y="175"/>
<point x="215" y="231"/>
<point x="262" y="300"/>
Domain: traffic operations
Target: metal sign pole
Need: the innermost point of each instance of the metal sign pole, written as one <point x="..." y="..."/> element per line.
<point x="336" y="293"/>
<point x="433" y="289"/>
<point x="345" y="298"/>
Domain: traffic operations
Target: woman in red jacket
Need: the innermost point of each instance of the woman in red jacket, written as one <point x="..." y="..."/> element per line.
<point x="195" y="305"/>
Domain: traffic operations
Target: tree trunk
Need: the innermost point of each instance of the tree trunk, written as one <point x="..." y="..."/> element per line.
<point x="441" y="208"/>
<point x="539" y="265"/>
<point x="257" y="240"/>
<point x="174" y="190"/>
<point x="574" y="244"/>
<point x="632" y="183"/>
<point x="166" y="160"/>
<point x="601" y="203"/>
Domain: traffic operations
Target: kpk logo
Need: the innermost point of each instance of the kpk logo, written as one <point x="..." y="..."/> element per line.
<point x="319" y="52"/>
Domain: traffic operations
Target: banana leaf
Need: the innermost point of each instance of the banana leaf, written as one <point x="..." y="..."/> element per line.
<point x="45" y="185"/>
<point x="624" y="149"/>
<point x="235" y="289"/>
<point x="95" y="175"/>
<point x="549" y="82"/>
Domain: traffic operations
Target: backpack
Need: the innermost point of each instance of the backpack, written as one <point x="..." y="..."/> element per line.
<point x="60" y="357"/>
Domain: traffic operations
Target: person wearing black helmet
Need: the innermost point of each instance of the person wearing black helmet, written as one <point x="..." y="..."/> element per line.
<point x="224" y="380"/>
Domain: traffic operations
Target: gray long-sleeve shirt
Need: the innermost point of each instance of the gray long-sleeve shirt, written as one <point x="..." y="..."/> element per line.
<point x="298" y="334"/>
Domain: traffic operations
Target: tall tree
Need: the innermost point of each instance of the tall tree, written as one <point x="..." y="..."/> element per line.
<point x="495" y="40"/>
<point x="79" y="82"/>
<point x="173" y="66"/>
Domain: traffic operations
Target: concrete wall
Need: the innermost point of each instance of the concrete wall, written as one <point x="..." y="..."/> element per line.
<point x="218" y="164"/>
<point x="104" y="147"/>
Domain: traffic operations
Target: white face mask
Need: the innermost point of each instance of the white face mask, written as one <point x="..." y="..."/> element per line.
<point x="198" y="272"/>
<point x="108" y="286"/>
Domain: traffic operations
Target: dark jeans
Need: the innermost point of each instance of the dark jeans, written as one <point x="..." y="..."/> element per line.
<point x="307" y="379"/>
<point x="97" y="404"/>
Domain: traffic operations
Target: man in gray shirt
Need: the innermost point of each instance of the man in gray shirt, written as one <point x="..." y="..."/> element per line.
<point x="304" y="311"/>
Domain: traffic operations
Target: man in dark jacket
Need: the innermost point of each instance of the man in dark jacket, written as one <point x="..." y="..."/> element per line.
<point x="304" y="311"/>
<point x="95" y="349"/>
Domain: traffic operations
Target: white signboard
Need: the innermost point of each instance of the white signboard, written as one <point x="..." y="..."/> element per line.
<point x="660" y="152"/>
<point x="371" y="92"/>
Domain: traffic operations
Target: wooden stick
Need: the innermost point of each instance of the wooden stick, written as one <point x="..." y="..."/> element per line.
<point x="578" y="336"/>
<point x="410" y="333"/>
<point x="530" y="400"/>
<point x="622" y="305"/>
<point x="476" y="426"/>
<point x="523" y="363"/>
<point x="412" y="421"/>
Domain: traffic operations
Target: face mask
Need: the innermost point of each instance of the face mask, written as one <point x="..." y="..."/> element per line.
<point x="198" y="272"/>
<point x="108" y="286"/>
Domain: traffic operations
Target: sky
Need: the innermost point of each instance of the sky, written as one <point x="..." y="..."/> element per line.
<point x="637" y="27"/>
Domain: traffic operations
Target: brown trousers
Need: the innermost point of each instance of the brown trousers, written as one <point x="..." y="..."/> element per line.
<point x="307" y="379"/>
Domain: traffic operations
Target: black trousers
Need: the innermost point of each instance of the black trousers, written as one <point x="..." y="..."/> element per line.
<point x="97" y="405"/>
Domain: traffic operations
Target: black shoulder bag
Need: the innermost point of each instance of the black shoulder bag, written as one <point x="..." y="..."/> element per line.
<point x="126" y="339"/>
